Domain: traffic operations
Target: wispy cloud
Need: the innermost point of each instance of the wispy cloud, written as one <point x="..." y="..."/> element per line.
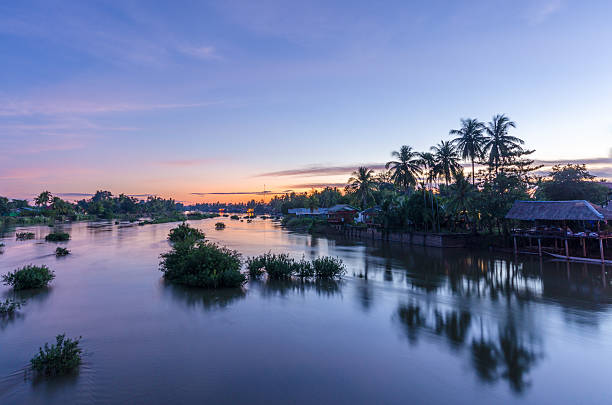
<point x="187" y="162"/>
<point x="540" y="10"/>
<point x="319" y="170"/>
<point x="201" y="52"/>
<point x="240" y="193"/>
<point x="316" y="185"/>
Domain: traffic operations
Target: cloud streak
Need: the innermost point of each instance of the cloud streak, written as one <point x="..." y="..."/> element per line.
<point x="318" y="170"/>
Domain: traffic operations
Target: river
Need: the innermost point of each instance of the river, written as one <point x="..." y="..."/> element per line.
<point x="404" y="325"/>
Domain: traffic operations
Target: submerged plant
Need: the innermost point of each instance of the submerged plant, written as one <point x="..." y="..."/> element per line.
<point x="24" y="235"/>
<point x="57" y="237"/>
<point x="202" y="264"/>
<point x="59" y="358"/>
<point x="185" y="233"/>
<point x="10" y="306"/>
<point x="60" y="251"/>
<point x="29" y="276"/>
<point x="328" y="267"/>
<point x="219" y="225"/>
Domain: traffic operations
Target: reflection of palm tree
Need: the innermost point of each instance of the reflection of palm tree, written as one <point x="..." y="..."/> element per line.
<point x="362" y="183"/>
<point x="404" y="170"/>
<point x="470" y="141"/>
<point x="485" y="359"/>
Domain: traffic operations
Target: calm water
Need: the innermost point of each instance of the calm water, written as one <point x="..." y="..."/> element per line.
<point x="406" y="325"/>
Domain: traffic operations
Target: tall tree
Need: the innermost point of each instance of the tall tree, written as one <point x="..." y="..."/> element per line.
<point x="500" y="146"/>
<point x="470" y="141"/>
<point x="43" y="199"/>
<point x="428" y="167"/>
<point x="362" y="183"/>
<point x="447" y="160"/>
<point x="405" y="169"/>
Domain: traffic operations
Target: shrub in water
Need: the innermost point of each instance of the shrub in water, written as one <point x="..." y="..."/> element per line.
<point x="255" y="266"/>
<point x="304" y="269"/>
<point x="57" y="237"/>
<point x="220" y="225"/>
<point x="278" y="266"/>
<point x="24" y="235"/>
<point x="202" y="264"/>
<point x="59" y="358"/>
<point x="9" y="306"/>
<point x="29" y="276"/>
<point x="185" y="233"/>
<point x="328" y="267"/>
<point x="234" y="217"/>
<point x="60" y="251"/>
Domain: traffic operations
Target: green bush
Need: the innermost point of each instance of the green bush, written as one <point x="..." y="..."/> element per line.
<point x="29" y="276"/>
<point x="202" y="264"/>
<point x="10" y="306"/>
<point x="57" y="237"/>
<point x="60" y="251"/>
<point x="24" y="235"/>
<point x="185" y="233"/>
<point x="59" y="358"/>
<point x="220" y="225"/>
<point x="328" y="267"/>
<point x="234" y="217"/>
<point x="281" y="266"/>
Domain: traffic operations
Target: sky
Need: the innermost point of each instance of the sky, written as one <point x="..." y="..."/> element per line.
<point x="211" y="101"/>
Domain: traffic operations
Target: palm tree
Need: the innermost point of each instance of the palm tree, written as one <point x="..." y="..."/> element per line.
<point x="43" y="199"/>
<point x="428" y="167"/>
<point x="470" y="141"/>
<point x="405" y="169"/>
<point x="447" y="160"/>
<point x="460" y="196"/>
<point x="500" y="146"/>
<point x="362" y="183"/>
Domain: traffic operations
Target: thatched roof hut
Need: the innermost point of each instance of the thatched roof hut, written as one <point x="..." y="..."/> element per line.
<point x="576" y="210"/>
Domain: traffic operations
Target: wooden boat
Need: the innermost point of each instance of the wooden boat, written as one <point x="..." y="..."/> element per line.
<point x="578" y="259"/>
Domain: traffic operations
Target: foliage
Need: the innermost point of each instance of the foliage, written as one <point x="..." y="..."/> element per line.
<point x="406" y="169"/>
<point x="572" y="182"/>
<point x="10" y="306"/>
<point x="328" y="267"/>
<point x="499" y="145"/>
<point x="202" y="264"/>
<point x="282" y="267"/>
<point x="220" y="225"/>
<point x="29" y="276"/>
<point x="470" y="141"/>
<point x="57" y="237"/>
<point x="363" y="184"/>
<point x="24" y="235"/>
<point x="59" y="358"/>
<point x="60" y="251"/>
<point x="446" y="160"/>
<point x="185" y="233"/>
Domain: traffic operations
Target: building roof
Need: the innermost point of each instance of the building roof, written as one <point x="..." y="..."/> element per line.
<point x="342" y="207"/>
<point x="557" y="211"/>
<point x="307" y="211"/>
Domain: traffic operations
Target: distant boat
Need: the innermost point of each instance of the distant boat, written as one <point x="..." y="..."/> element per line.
<point x="578" y="259"/>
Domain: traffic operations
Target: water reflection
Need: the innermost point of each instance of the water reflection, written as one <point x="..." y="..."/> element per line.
<point x="283" y="288"/>
<point x="200" y="298"/>
<point x="508" y="355"/>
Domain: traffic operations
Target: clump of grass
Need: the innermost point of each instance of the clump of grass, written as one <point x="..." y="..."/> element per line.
<point x="219" y="225"/>
<point x="185" y="233"/>
<point x="29" y="276"/>
<point x="328" y="267"/>
<point x="57" y="237"/>
<point x="59" y="358"/>
<point x="24" y="235"/>
<point x="202" y="264"/>
<point x="281" y="266"/>
<point x="234" y="217"/>
<point x="60" y="251"/>
<point x="10" y="306"/>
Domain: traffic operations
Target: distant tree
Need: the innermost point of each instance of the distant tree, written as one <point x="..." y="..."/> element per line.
<point x="4" y="206"/>
<point x="470" y="141"/>
<point x="428" y="167"/>
<point x="43" y="199"/>
<point x="363" y="184"/>
<point x="460" y="197"/>
<point x="447" y="160"/>
<point x="499" y="145"/>
<point x="312" y="203"/>
<point x="405" y="169"/>
<point x="572" y="182"/>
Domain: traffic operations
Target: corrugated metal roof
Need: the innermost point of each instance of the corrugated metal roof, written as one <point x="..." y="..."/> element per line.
<point x="307" y="211"/>
<point x="342" y="207"/>
<point x="555" y="211"/>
